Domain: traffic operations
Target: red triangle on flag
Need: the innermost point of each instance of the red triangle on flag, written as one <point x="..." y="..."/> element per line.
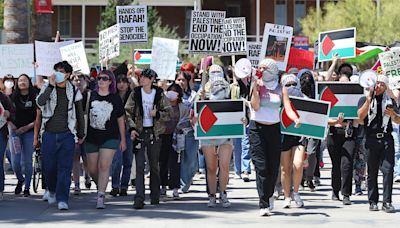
<point x="328" y="95"/>
<point x="137" y="56"/>
<point x="286" y="121"/>
<point x="327" y="45"/>
<point x="207" y="119"/>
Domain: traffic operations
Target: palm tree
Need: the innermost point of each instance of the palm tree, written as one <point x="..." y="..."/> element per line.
<point x="16" y="21"/>
<point x="41" y="27"/>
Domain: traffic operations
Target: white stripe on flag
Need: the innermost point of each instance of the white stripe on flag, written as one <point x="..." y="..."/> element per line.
<point x="344" y="43"/>
<point x="311" y="118"/>
<point x="348" y="99"/>
<point x="228" y="118"/>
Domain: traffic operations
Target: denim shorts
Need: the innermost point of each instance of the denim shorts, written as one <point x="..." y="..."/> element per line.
<point x="215" y="142"/>
<point x="109" y="144"/>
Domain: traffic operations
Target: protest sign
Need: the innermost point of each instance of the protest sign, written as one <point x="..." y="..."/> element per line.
<point x="164" y="56"/>
<point x="313" y="115"/>
<point x="16" y="59"/>
<point x="219" y="119"/>
<point x="75" y="55"/>
<point x="301" y="42"/>
<point x="206" y="32"/>
<point x="47" y="55"/>
<point x="300" y="59"/>
<point x="253" y="53"/>
<point x="142" y="56"/>
<point x="390" y="63"/>
<point x="276" y="44"/>
<point x="341" y="42"/>
<point x="235" y="37"/>
<point x="343" y="96"/>
<point x="132" y="22"/>
<point x="109" y="43"/>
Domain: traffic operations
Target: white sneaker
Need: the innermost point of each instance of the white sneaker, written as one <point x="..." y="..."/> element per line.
<point x="265" y="212"/>
<point x="163" y="191"/>
<point x="175" y="194"/>
<point x="396" y="179"/>
<point x="51" y="199"/>
<point x="223" y="199"/>
<point x="237" y="177"/>
<point x="286" y="203"/>
<point x="246" y="177"/>
<point x="212" y="201"/>
<point x="271" y="203"/>
<point x="46" y="195"/>
<point x="297" y="199"/>
<point x="62" y="205"/>
<point x="100" y="202"/>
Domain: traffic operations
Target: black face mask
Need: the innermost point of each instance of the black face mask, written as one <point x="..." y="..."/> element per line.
<point x="306" y="84"/>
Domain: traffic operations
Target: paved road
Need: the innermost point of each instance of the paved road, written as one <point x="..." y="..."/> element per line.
<point x="192" y="211"/>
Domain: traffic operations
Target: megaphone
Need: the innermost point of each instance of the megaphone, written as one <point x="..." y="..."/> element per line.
<point x="368" y="78"/>
<point x="243" y="68"/>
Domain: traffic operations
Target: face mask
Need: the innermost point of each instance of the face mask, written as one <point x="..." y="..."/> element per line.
<point x="216" y="76"/>
<point x="172" y="95"/>
<point x="60" y="77"/>
<point x="270" y="81"/>
<point x="9" y="84"/>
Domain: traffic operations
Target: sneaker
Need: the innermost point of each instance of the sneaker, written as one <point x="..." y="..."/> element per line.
<point x="358" y="191"/>
<point x="77" y="190"/>
<point x="212" y="201"/>
<point x="373" y="207"/>
<point x="46" y="195"/>
<point x="237" y="176"/>
<point x="297" y="199"/>
<point x="18" y="188"/>
<point x="246" y="177"/>
<point x="62" y="206"/>
<point x="155" y="202"/>
<point x="286" y="203"/>
<point x="346" y="200"/>
<point x="335" y="196"/>
<point x="396" y="179"/>
<point x="88" y="183"/>
<point x="133" y="182"/>
<point x="100" y="202"/>
<point x="163" y="191"/>
<point x="123" y="192"/>
<point x="51" y="199"/>
<point x="265" y="212"/>
<point x="202" y="176"/>
<point x="271" y="203"/>
<point x="175" y="194"/>
<point x="114" y="192"/>
<point x="223" y="199"/>
<point x="388" y="208"/>
<point x="138" y="205"/>
<point x="277" y="192"/>
<point x="311" y="186"/>
<point x="317" y="181"/>
<point x="27" y="193"/>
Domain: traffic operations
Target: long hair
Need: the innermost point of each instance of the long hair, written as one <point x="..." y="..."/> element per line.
<point x="188" y="77"/>
<point x="177" y="88"/>
<point x="31" y="89"/>
<point x="113" y="86"/>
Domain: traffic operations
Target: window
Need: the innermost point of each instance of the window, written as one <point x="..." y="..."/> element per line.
<point x="280" y="12"/>
<point x="233" y="10"/>
<point x="187" y="20"/>
<point x="64" y="20"/>
<point x="299" y="12"/>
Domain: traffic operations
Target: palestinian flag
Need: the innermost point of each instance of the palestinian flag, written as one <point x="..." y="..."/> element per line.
<point x="343" y="96"/>
<point x="341" y="42"/>
<point x="219" y="119"/>
<point x="142" y="56"/>
<point x="365" y="53"/>
<point x="313" y="115"/>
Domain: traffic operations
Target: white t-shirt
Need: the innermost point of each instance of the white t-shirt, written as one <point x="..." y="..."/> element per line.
<point x="147" y="102"/>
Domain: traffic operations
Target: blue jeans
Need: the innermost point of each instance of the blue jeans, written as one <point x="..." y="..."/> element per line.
<point x="237" y="155"/>
<point x="246" y="156"/>
<point x="22" y="162"/>
<point x="396" y="137"/>
<point x="189" y="161"/>
<point x="122" y="159"/>
<point x="3" y="143"/>
<point x="58" y="152"/>
<point x="202" y="160"/>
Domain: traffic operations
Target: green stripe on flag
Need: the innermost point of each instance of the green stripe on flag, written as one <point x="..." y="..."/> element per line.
<point x="306" y="129"/>
<point x="343" y="53"/>
<point x="349" y="111"/>
<point x="365" y="56"/>
<point x="221" y="130"/>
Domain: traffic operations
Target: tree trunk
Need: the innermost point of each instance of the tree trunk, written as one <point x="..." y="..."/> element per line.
<point x="16" y="21"/>
<point x="41" y="27"/>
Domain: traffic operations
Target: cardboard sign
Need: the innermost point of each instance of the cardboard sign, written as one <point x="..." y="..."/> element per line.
<point x="109" y="43"/>
<point x="132" y="21"/>
<point x="301" y="42"/>
<point x="300" y="59"/>
<point x="47" y="55"/>
<point x="16" y="59"/>
<point x="219" y="119"/>
<point x="341" y="42"/>
<point x="235" y="38"/>
<point x="75" y="55"/>
<point x="313" y="115"/>
<point x="253" y="53"/>
<point x="276" y="44"/>
<point x="164" y="56"/>
<point x="390" y="62"/>
<point x="206" y="32"/>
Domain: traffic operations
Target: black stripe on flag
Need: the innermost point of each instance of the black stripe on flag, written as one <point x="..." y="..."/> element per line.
<point x="310" y="106"/>
<point x="338" y="88"/>
<point x="339" y="35"/>
<point x="226" y="106"/>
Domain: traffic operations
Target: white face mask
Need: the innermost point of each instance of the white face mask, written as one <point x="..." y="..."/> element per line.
<point x="9" y="84"/>
<point x="270" y="81"/>
<point x="172" y="95"/>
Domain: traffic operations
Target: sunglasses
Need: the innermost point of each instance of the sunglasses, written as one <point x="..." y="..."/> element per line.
<point x="103" y="78"/>
<point x="291" y="84"/>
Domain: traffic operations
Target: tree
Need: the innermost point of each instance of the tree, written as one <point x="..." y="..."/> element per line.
<point x="361" y="14"/>
<point x="16" y="21"/>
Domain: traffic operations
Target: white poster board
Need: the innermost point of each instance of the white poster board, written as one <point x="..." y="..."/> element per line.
<point x="132" y="21"/>
<point x="164" y="57"/>
<point x="390" y="62"/>
<point x="16" y="59"/>
<point x="109" y="43"/>
<point x="253" y="53"/>
<point x="47" y="55"/>
<point x="235" y="36"/>
<point x="75" y="55"/>
<point x="206" y="32"/>
<point x="276" y="44"/>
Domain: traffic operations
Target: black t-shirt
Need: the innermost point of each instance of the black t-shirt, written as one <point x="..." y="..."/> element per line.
<point x="25" y="109"/>
<point x="376" y="124"/>
<point x="103" y="117"/>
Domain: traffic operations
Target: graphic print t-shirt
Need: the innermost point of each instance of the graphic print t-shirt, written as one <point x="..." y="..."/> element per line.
<point x="148" y="103"/>
<point x="103" y="117"/>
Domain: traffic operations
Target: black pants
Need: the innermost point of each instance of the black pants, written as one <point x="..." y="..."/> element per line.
<point x="380" y="155"/>
<point x="169" y="163"/>
<point x="265" y="149"/>
<point x="341" y="150"/>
